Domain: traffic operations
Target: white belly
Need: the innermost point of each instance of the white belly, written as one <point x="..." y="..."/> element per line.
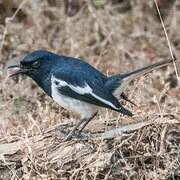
<point x="86" y="110"/>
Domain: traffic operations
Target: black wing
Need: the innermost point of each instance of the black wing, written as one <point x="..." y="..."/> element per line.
<point x="90" y="89"/>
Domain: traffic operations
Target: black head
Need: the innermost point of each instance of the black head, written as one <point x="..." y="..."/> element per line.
<point x="34" y="63"/>
<point x="38" y="65"/>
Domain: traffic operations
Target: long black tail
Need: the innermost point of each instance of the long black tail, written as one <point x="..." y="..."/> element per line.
<point x="118" y="83"/>
<point x="146" y="69"/>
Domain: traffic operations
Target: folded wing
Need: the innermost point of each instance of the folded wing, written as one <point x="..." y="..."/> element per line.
<point x="88" y="89"/>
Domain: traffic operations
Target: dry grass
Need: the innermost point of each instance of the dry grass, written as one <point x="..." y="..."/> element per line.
<point x="113" y="42"/>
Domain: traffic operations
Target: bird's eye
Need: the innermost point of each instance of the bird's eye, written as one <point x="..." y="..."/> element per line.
<point x="35" y="64"/>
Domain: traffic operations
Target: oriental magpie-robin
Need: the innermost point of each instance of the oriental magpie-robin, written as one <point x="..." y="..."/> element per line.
<point x="76" y="85"/>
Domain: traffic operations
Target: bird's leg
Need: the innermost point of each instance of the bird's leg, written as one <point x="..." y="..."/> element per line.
<point x="87" y="120"/>
<point x="69" y="136"/>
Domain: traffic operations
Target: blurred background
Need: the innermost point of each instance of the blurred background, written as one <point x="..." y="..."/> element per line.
<point x="113" y="35"/>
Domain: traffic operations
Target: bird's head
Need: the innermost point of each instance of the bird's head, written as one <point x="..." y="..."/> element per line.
<point x="36" y="64"/>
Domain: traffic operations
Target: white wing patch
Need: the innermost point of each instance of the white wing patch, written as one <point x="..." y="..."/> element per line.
<point x="86" y="110"/>
<point x="104" y="101"/>
<point x="86" y="89"/>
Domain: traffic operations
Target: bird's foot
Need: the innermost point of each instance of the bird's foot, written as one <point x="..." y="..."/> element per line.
<point x="76" y="134"/>
<point x="69" y="136"/>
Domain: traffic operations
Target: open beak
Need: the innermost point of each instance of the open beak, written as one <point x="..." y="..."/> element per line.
<point x="17" y="70"/>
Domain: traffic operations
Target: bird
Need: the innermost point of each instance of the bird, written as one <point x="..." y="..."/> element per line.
<point x="78" y="86"/>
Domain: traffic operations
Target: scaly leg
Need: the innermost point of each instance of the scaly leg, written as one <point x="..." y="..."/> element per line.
<point x="69" y="136"/>
<point x="86" y="120"/>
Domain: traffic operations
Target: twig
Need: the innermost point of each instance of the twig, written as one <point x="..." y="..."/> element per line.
<point x="123" y="131"/>
<point x="7" y="21"/>
<point x="168" y="41"/>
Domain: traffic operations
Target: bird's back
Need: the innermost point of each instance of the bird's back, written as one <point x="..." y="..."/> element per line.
<point x="81" y="69"/>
